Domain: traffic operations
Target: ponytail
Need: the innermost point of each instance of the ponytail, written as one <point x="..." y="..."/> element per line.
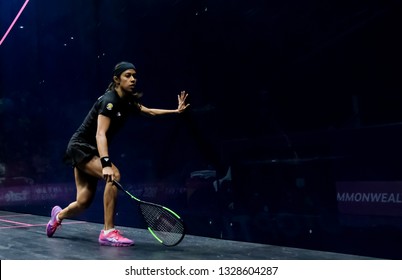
<point x="111" y="86"/>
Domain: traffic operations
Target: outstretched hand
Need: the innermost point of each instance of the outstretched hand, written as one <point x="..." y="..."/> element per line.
<point x="182" y="101"/>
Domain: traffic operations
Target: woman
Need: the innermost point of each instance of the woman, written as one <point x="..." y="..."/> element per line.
<point x="88" y="152"/>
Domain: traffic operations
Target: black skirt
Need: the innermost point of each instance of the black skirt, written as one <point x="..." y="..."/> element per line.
<point x="79" y="152"/>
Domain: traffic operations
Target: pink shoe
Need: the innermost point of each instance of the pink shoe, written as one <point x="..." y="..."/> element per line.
<point x="53" y="224"/>
<point x="114" y="238"/>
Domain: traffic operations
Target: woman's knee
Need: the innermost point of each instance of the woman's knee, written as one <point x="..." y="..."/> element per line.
<point x="84" y="203"/>
<point x="85" y="196"/>
<point x="116" y="174"/>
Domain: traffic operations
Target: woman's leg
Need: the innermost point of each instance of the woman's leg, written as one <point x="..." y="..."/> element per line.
<point x="93" y="168"/>
<point x="86" y="178"/>
<point x="86" y="189"/>
<point x="108" y="236"/>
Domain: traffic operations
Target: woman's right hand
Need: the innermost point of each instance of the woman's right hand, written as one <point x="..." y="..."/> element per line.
<point x="108" y="174"/>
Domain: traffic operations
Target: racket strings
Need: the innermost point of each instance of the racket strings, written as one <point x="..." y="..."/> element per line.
<point x="168" y="228"/>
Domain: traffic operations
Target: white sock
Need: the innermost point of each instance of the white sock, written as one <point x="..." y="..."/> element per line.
<point x="108" y="231"/>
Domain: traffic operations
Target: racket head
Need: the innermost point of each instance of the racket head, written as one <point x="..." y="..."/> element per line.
<point x="164" y="224"/>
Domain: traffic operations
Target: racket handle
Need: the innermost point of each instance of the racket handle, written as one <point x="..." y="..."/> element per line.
<point x="118" y="185"/>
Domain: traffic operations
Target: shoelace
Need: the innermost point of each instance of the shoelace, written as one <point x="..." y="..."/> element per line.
<point x="118" y="234"/>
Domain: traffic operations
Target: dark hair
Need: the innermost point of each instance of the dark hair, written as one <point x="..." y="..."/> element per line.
<point x="121" y="67"/>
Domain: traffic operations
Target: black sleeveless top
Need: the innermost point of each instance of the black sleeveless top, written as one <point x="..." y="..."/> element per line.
<point x="110" y="105"/>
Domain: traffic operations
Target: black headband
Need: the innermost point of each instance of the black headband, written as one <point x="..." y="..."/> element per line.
<point x="121" y="67"/>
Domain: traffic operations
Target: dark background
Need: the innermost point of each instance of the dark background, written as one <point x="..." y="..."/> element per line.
<point x="293" y="96"/>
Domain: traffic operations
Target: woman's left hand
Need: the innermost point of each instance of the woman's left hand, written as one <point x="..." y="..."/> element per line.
<point x="182" y="101"/>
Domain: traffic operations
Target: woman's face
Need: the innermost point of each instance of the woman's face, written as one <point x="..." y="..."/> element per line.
<point x="127" y="80"/>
